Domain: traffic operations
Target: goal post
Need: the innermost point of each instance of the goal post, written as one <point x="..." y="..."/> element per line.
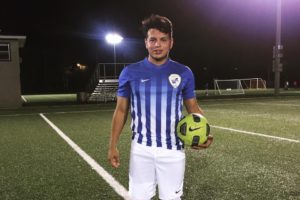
<point x="238" y="86"/>
<point x="254" y="83"/>
<point x="228" y="87"/>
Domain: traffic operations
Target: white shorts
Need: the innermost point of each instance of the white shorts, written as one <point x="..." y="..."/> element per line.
<point x="151" y="166"/>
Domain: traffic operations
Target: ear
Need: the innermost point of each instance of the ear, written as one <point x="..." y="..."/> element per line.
<point x="172" y="43"/>
<point x="146" y="43"/>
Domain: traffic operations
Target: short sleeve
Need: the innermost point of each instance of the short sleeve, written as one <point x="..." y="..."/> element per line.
<point x="188" y="91"/>
<point x="124" y="85"/>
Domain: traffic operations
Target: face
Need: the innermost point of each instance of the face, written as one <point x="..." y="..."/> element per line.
<point x="158" y="45"/>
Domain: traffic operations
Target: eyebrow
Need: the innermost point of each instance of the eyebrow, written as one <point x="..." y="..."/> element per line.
<point x="164" y="37"/>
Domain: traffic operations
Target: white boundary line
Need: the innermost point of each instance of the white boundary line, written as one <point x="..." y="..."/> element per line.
<point x="219" y="127"/>
<point x="252" y="103"/>
<point x="120" y="189"/>
<point x="66" y="112"/>
<point x="256" y="134"/>
<point x="277" y="104"/>
<point x="24" y="99"/>
<point x="247" y="98"/>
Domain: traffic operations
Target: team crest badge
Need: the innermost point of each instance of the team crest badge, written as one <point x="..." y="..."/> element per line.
<point x="174" y="80"/>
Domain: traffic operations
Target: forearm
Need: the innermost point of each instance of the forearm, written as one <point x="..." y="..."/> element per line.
<point x="118" y="122"/>
<point x="192" y="106"/>
<point x="196" y="109"/>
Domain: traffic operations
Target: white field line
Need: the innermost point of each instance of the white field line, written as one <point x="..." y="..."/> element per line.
<point x="250" y="103"/>
<point x="100" y="170"/>
<point x="278" y="104"/>
<point x="80" y="111"/>
<point x="66" y="112"/>
<point x="18" y="115"/>
<point x="24" y="99"/>
<point x="257" y="134"/>
<point x="245" y="98"/>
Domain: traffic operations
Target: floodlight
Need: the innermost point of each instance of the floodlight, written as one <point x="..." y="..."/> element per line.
<point x="113" y="38"/>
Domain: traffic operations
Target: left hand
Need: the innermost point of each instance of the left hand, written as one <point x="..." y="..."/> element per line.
<point x="205" y="145"/>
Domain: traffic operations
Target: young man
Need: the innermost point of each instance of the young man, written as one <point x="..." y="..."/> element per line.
<point x="156" y="89"/>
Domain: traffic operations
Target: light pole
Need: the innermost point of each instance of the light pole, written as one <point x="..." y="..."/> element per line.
<point x="114" y="39"/>
<point x="277" y="50"/>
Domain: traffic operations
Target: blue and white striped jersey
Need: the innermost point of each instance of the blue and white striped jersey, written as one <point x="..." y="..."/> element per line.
<point x="156" y="96"/>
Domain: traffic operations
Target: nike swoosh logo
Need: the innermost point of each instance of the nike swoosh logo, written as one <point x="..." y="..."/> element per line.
<point x="144" y="80"/>
<point x="176" y="192"/>
<point x="193" y="129"/>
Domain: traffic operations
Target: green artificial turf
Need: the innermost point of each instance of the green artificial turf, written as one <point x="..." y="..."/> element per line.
<point x="36" y="163"/>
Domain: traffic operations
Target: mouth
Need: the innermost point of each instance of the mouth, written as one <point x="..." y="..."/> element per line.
<point x="157" y="52"/>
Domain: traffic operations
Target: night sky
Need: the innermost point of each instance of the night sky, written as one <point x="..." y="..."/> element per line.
<point x="215" y="38"/>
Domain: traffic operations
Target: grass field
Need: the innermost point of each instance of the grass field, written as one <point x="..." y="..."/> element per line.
<point x="243" y="162"/>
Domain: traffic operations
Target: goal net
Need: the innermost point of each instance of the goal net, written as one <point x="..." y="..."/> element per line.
<point x="238" y="86"/>
<point x="253" y="83"/>
<point x="228" y="87"/>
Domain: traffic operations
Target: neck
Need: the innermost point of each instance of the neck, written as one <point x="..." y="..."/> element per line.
<point x="157" y="61"/>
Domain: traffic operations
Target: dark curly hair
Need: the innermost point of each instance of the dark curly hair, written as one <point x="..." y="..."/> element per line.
<point x="161" y="23"/>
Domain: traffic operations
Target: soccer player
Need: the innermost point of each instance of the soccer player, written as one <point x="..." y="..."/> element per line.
<point x="155" y="89"/>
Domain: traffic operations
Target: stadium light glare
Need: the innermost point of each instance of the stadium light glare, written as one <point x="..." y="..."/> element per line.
<point x="114" y="39"/>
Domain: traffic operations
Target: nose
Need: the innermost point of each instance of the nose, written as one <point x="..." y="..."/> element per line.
<point x="157" y="44"/>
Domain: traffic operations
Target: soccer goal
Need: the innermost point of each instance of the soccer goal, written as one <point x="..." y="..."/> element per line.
<point x="228" y="87"/>
<point x="253" y="83"/>
<point x="238" y="86"/>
